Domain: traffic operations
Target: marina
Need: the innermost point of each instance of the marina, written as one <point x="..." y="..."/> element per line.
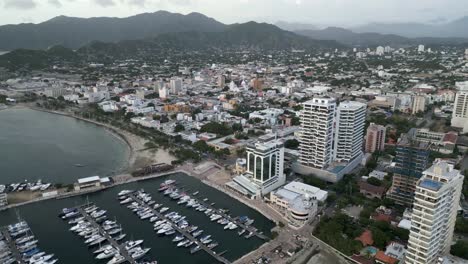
<point x="91" y="223"/>
<point x="56" y="237"/>
<point x="19" y="245"/>
<point x="174" y="224"/>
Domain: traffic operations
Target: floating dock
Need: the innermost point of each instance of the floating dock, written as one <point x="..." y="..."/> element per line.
<point x="11" y="244"/>
<point x="109" y="238"/>
<point x="218" y="257"/>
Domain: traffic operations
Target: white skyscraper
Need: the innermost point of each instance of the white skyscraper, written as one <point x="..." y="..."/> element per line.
<point x="349" y="134"/>
<point x="437" y="198"/>
<point x="421" y="48"/>
<point x="460" y="107"/>
<point x="176" y="85"/>
<point x="316" y="134"/>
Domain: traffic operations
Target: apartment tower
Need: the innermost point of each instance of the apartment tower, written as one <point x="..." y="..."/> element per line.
<point x="316" y="134"/>
<point x="410" y="161"/>
<point x="434" y="214"/>
<point x="375" y="138"/>
<point x="349" y="134"/>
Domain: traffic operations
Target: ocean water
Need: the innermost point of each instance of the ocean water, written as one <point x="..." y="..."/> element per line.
<point x="36" y="145"/>
<point x="54" y="235"/>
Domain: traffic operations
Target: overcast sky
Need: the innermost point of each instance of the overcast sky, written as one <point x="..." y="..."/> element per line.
<point x="322" y="12"/>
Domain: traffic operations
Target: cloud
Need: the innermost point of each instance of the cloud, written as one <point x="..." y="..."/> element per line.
<point x="20" y="4"/>
<point x="136" y="2"/>
<point x="105" y="3"/>
<point x="55" y="3"/>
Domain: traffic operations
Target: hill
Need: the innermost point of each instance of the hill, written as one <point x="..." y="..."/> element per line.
<point x="72" y="32"/>
<point x="246" y="36"/>
<point x="348" y="37"/>
<point x="453" y="29"/>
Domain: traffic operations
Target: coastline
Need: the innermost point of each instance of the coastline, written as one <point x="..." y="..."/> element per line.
<point x="138" y="155"/>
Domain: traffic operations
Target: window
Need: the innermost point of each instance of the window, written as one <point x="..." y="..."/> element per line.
<point x="258" y="168"/>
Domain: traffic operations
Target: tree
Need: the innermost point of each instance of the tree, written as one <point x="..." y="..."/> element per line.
<point x="374" y="181"/>
<point x="179" y="128"/>
<point x="291" y="144"/>
<point x="460" y="249"/>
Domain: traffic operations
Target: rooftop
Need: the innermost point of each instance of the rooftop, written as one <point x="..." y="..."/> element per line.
<point x="430" y="184"/>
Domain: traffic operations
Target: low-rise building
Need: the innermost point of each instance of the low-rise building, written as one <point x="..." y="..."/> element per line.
<point x="298" y="202"/>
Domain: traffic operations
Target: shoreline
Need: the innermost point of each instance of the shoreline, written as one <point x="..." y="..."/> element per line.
<point x="115" y="132"/>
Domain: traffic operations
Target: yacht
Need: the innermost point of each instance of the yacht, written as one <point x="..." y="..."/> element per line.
<point x="107" y="253"/>
<point x="116" y="260"/>
<point x="140" y="253"/>
<point x="178" y="238"/>
<point x="182" y="243"/>
<point x="195" y="249"/>
<point x="131" y="244"/>
<point x="103" y="248"/>
<point x="197" y="233"/>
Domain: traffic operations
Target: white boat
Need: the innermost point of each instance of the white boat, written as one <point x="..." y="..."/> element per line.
<point x="117" y="259"/>
<point x="140" y="253"/>
<point x="131" y="244"/>
<point x="107" y="253"/>
<point x="124" y="192"/>
<point x="182" y="243"/>
<point x="41" y="259"/>
<point x="103" y="248"/>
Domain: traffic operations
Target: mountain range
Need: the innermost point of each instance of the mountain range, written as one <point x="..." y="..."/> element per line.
<point x="350" y="38"/>
<point x="453" y="29"/>
<point x="75" y="32"/>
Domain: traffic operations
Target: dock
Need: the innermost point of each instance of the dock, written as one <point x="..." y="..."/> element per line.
<point x="218" y="257"/>
<point x="11" y="244"/>
<point x="109" y="238"/>
<point x="232" y="219"/>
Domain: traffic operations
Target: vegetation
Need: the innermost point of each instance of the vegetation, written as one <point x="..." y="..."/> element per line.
<point x="217" y="128"/>
<point x="339" y="232"/>
<point x="460" y="249"/>
<point x="291" y="144"/>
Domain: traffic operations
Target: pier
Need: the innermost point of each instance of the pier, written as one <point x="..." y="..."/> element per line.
<point x="122" y="250"/>
<point x="218" y="257"/>
<point x="11" y="244"/>
<point x="231" y="219"/>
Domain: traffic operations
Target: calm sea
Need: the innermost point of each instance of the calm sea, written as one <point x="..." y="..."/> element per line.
<point x="36" y="145"/>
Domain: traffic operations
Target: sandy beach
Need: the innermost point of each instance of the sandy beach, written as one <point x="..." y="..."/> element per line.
<point x="138" y="155"/>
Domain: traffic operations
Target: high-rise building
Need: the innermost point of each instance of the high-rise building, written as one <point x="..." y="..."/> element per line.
<point x="460" y="107"/>
<point x="410" y="161"/>
<point x="221" y="81"/>
<point x="419" y="104"/>
<point x="176" y="85"/>
<point x="421" y="48"/>
<point x="349" y="131"/>
<point x="163" y="92"/>
<point x="434" y="214"/>
<point x="316" y="134"/>
<point x="265" y="169"/>
<point x="375" y="138"/>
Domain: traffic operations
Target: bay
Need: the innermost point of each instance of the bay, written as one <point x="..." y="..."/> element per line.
<point x="37" y="145"/>
<point x="54" y="236"/>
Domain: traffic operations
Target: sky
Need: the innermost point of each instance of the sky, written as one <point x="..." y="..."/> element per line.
<point x="318" y="12"/>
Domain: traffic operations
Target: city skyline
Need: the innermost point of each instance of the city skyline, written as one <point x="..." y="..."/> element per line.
<point x="320" y="13"/>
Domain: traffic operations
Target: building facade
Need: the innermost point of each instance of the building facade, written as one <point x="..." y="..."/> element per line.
<point x="375" y="138"/>
<point x="264" y="171"/>
<point x="316" y="134"/>
<point x="419" y="104"/>
<point x="298" y="202"/>
<point x="434" y="214"/>
<point x="460" y="107"/>
<point x="410" y="161"/>
<point x="349" y="134"/>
